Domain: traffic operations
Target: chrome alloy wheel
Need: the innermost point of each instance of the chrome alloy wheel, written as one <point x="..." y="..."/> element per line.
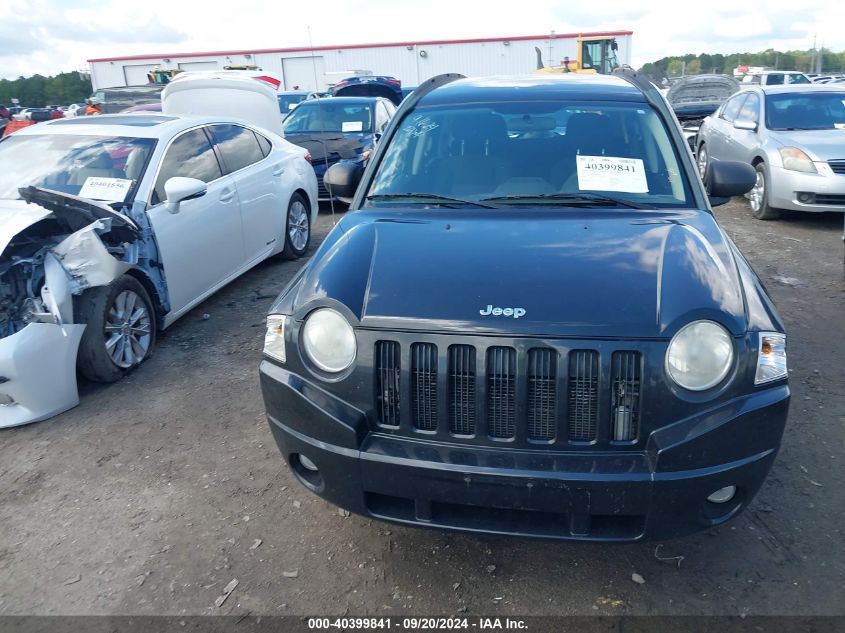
<point x="298" y="225"/>
<point x="128" y="332"/>
<point x="702" y="160"/>
<point x="758" y="192"/>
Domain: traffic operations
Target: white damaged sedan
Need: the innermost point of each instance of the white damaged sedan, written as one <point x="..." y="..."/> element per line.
<point x="112" y="227"/>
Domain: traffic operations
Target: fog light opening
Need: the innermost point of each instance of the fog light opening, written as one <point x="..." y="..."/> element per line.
<point x="806" y="198"/>
<point x="6" y="400"/>
<point x="307" y="472"/>
<point x="723" y="495"/>
<point x="307" y="464"/>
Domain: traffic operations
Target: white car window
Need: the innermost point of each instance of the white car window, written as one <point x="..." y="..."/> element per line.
<point x="238" y="146"/>
<point x="189" y="156"/>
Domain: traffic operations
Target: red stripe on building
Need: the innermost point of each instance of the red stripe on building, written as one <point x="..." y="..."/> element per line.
<point x="309" y="49"/>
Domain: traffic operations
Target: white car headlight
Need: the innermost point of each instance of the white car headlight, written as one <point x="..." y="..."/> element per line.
<point x="795" y="159"/>
<point x="700" y="355"/>
<point x="771" y="358"/>
<point x="329" y="340"/>
<point x="274" y="338"/>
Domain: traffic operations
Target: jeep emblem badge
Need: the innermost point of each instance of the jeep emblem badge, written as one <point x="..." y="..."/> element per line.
<point x="508" y="312"/>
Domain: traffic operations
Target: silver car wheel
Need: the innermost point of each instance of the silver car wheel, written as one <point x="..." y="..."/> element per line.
<point x="128" y="330"/>
<point x="758" y="192"/>
<point x="298" y="225"/>
<point x="702" y="160"/>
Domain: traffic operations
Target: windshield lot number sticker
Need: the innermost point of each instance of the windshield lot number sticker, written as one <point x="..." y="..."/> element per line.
<point x="609" y="173"/>
<point x="352" y="126"/>
<point x="107" y="189"/>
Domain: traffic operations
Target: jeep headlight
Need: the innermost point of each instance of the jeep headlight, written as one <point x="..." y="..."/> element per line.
<point x="771" y="358"/>
<point x="329" y="340"/>
<point x="700" y="355"/>
<point x="274" y="337"/>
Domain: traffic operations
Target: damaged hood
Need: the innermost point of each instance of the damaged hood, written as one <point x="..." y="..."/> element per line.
<point x="569" y="272"/>
<point x="75" y="213"/>
<point x="16" y="216"/>
<point x="697" y="96"/>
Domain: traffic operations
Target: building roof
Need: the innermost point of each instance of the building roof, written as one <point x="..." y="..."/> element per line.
<point x="308" y="49"/>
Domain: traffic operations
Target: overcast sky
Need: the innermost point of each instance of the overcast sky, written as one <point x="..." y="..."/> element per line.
<point x="47" y="37"/>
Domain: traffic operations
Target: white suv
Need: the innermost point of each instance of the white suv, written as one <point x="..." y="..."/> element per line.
<point x="776" y="78"/>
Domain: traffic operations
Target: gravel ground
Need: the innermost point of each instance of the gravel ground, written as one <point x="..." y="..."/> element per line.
<point x="157" y="492"/>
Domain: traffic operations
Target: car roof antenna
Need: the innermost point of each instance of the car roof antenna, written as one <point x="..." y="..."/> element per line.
<point x="322" y="125"/>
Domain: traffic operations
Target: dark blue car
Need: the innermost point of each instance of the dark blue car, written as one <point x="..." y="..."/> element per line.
<point x="370" y="86"/>
<point x="531" y="323"/>
<point x="338" y="129"/>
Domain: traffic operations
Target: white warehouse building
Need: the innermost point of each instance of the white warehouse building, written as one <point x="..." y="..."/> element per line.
<point x="318" y="67"/>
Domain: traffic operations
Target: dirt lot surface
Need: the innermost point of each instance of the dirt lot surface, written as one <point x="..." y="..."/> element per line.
<point x="156" y="492"/>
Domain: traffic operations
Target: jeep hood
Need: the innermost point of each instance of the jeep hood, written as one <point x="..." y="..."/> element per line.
<point x="574" y="272"/>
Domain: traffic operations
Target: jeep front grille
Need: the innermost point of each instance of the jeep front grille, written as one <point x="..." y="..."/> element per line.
<point x="424" y="386"/>
<point x="462" y="389"/>
<point x="387" y="382"/>
<point x="583" y="401"/>
<point x="528" y="395"/>
<point x="542" y="394"/>
<point x="625" y="390"/>
<point x="501" y="392"/>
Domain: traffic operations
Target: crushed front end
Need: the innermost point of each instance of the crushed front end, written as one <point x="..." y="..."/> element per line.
<point x="54" y="246"/>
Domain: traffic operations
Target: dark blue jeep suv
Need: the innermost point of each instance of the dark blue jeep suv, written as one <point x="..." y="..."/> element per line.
<point x="530" y="323"/>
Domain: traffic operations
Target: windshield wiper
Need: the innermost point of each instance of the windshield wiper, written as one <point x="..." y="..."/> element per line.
<point x="433" y="197"/>
<point x="568" y="199"/>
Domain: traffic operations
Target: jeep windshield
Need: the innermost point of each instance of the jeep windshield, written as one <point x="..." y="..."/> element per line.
<point x="532" y="153"/>
<point x="66" y="162"/>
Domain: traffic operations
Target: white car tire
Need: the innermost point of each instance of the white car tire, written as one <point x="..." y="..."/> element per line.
<point x="297" y="228"/>
<point x="120" y="332"/>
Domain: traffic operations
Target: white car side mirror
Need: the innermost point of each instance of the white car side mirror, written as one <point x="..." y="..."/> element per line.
<point x="179" y="189"/>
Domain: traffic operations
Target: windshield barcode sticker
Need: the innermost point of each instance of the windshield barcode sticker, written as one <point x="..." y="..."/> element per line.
<point x="105" y="189"/>
<point x="609" y="173"/>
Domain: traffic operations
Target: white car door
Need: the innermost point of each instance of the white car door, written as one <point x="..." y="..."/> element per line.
<point x="256" y="174"/>
<point x="201" y="246"/>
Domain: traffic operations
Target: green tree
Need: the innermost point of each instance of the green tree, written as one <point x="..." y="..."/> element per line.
<point x="37" y="91"/>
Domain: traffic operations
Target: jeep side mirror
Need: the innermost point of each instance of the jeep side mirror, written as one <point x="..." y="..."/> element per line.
<point x="179" y="189"/>
<point x="341" y="179"/>
<point x="727" y="178"/>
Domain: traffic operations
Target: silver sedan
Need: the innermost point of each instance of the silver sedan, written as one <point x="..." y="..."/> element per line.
<point x="794" y="136"/>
